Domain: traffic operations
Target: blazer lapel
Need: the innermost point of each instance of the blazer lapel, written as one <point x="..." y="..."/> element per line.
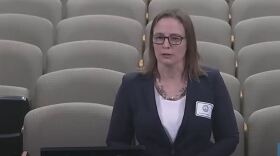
<point x="149" y="95"/>
<point x="190" y="96"/>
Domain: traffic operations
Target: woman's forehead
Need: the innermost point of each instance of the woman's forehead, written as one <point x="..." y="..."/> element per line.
<point x="169" y="25"/>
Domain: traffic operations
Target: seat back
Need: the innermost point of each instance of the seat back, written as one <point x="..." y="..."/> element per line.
<point x="50" y="10"/>
<point x="20" y="64"/>
<point x="217" y="56"/>
<point x="101" y="27"/>
<point x="263" y="132"/>
<point x="260" y="91"/>
<point x="258" y="58"/>
<point x="242" y="10"/>
<point x="233" y="87"/>
<point x="26" y="28"/>
<point x="211" y="8"/>
<point x="66" y="125"/>
<point x="99" y="54"/>
<point x="94" y="85"/>
<point x="256" y="30"/>
<point x="133" y="9"/>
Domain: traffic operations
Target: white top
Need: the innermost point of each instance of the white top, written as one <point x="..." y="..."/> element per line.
<point x="170" y="113"/>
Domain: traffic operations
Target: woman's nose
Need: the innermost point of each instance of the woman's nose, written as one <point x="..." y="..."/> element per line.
<point x="166" y="43"/>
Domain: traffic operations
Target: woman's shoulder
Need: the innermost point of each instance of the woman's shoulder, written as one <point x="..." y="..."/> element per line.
<point x="211" y="73"/>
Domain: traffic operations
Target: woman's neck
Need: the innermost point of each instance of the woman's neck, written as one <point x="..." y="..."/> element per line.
<point x="170" y="73"/>
<point x="171" y="84"/>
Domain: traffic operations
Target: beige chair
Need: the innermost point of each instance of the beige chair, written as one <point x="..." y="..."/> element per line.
<point x="210" y="8"/>
<point x="207" y="29"/>
<point x="101" y="27"/>
<point x="263" y="132"/>
<point x="260" y="91"/>
<point x="13" y="91"/>
<point x="66" y="125"/>
<point x="233" y="87"/>
<point x="50" y="9"/>
<point x="20" y="64"/>
<point x="134" y="9"/>
<point x="256" y="30"/>
<point x="95" y="85"/>
<point x="258" y="58"/>
<point x="27" y="28"/>
<point x="217" y="56"/>
<point x="93" y="53"/>
<point x="246" y="9"/>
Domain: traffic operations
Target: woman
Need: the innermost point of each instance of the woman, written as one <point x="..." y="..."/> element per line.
<point x="173" y="107"/>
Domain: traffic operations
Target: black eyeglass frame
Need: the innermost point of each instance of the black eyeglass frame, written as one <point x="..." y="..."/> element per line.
<point x="169" y="39"/>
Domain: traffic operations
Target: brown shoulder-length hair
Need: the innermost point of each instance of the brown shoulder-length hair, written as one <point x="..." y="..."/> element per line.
<point x="192" y="69"/>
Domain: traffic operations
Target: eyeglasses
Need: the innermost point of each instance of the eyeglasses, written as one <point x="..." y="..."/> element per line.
<point x="173" y="39"/>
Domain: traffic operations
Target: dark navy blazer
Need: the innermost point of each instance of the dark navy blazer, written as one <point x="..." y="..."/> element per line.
<point x="135" y="114"/>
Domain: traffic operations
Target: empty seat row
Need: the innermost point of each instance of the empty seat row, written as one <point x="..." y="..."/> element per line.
<point x="41" y="32"/>
<point x="69" y="129"/>
<point x="22" y="57"/>
<point x="100" y="85"/>
<point x="56" y="10"/>
<point x="21" y="63"/>
<point x="95" y="85"/>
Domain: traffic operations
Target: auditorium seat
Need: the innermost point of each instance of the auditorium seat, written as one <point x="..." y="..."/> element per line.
<point x="233" y="87"/>
<point x="20" y="64"/>
<point x="48" y="9"/>
<point x="101" y="27"/>
<point x="210" y="8"/>
<point x="260" y="91"/>
<point x="13" y="91"/>
<point x="263" y="132"/>
<point x="134" y="9"/>
<point x="66" y="125"/>
<point x="26" y="28"/>
<point x="95" y="85"/>
<point x="217" y="56"/>
<point x="256" y="30"/>
<point x="207" y="29"/>
<point x="258" y="58"/>
<point x="93" y="53"/>
<point x="246" y="9"/>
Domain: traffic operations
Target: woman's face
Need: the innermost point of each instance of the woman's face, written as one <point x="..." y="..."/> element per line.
<point x="169" y="42"/>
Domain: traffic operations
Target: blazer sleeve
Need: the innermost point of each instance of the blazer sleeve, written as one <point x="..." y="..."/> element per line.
<point x="121" y="128"/>
<point x="224" y="124"/>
